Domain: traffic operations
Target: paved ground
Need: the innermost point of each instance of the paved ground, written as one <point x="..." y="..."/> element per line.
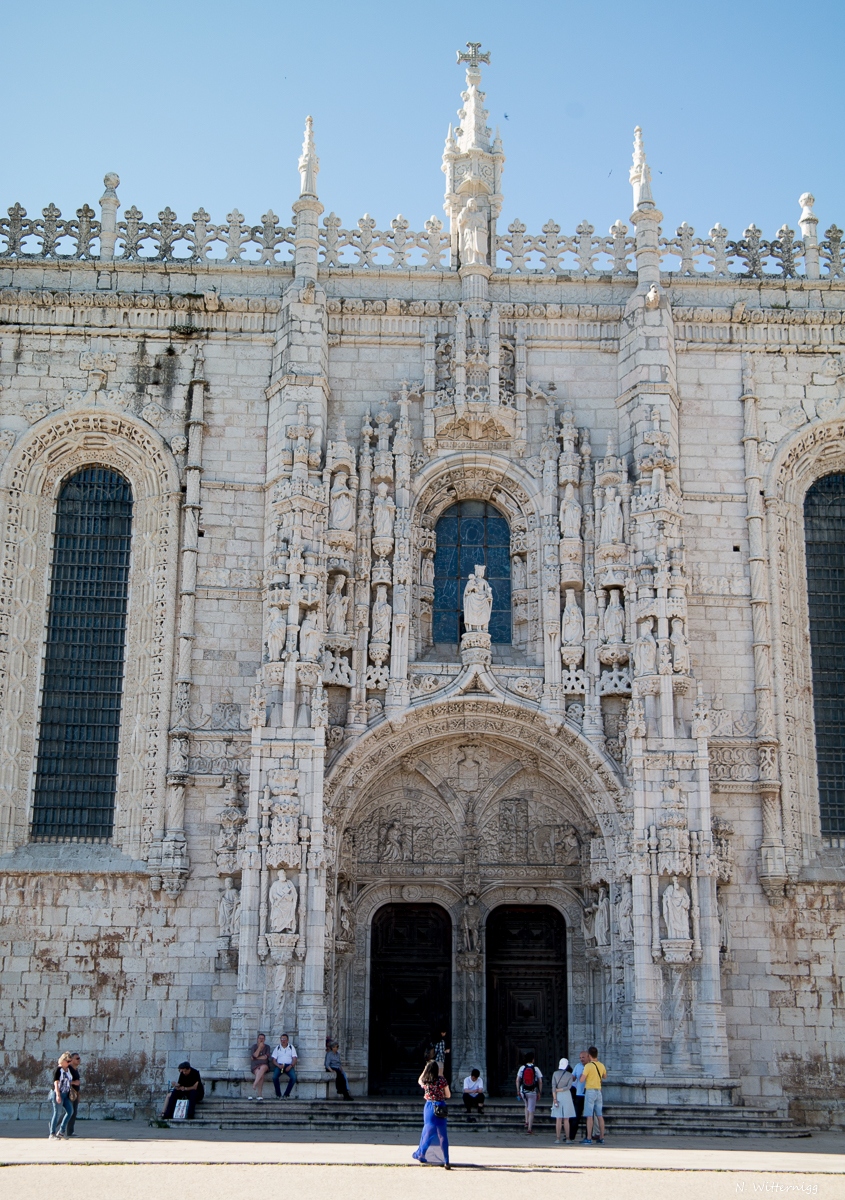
<point x="131" y="1161"/>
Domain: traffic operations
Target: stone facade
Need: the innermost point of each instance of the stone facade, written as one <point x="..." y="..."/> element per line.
<point x="295" y="407"/>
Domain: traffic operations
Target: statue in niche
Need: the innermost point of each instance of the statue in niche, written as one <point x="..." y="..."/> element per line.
<point x="392" y="845"/>
<point x="344" y="915"/>
<point x="478" y="601"/>
<point x="427" y="571"/>
<point x="472" y="229"/>
<point x="229" y="909"/>
<point x="469" y="767"/>
<point x="625" y="915"/>
<point x="572" y="622"/>
<point x="724" y="923"/>
<point x="587" y="929"/>
<point x="611" y="518"/>
<point x="342" y="514"/>
<point x="601" y="920"/>
<point x="470" y="925"/>
<point x="614" y="619"/>
<point x="680" y="647"/>
<point x="518" y="572"/>
<point x="337" y="606"/>
<point x="676" y="906"/>
<point x="384" y="512"/>
<point x="382" y="613"/>
<point x="282" y="899"/>
<point x="645" y="649"/>
<point x="276" y="634"/>
<point x="570" y="514"/>
<point x="310" y="637"/>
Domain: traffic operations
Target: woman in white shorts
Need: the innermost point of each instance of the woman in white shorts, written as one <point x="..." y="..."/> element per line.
<point x="562" y="1106"/>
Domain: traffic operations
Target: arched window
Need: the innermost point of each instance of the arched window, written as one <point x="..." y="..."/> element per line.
<point x="83" y="666"/>
<point x="824" y="531"/>
<point x="471" y="532"/>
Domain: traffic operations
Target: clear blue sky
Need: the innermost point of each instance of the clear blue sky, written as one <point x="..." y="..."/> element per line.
<point x="203" y="103"/>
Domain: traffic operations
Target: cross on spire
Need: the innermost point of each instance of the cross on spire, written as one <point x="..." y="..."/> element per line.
<point x="474" y="57"/>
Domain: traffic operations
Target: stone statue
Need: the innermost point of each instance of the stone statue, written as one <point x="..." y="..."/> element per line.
<point x="724" y="923"/>
<point x="337" y="606"/>
<point x="472" y="228"/>
<point x="382" y="613"/>
<point x="310" y="638"/>
<point x="614" y="619"/>
<point x="470" y="921"/>
<point x="645" y="649"/>
<point x="572" y="622"/>
<point x="282" y="899"/>
<point x="601" y="921"/>
<point x="276" y="633"/>
<point x="478" y="601"/>
<point x="680" y="647"/>
<point x="384" y="511"/>
<point x="392" y="848"/>
<point x="570" y="514"/>
<point x="229" y="909"/>
<point x="344" y="915"/>
<point x="611" y="518"/>
<point x="625" y="916"/>
<point x="427" y="571"/>
<point x="517" y="573"/>
<point x="342" y="515"/>
<point x="676" y="905"/>
<point x="587" y="918"/>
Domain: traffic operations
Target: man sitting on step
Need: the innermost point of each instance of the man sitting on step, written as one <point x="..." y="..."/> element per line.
<point x="333" y="1063"/>
<point x="474" y="1093"/>
<point x="284" y="1063"/>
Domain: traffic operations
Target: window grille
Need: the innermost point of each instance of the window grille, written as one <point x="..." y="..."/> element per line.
<point x="824" y="531"/>
<point x="471" y="532"/>
<point x="83" y="666"/>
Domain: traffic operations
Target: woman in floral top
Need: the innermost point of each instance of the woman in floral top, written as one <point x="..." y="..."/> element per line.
<point x="434" y="1142"/>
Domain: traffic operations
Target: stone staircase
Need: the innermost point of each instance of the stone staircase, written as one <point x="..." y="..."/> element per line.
<point x="376" y="1114"/>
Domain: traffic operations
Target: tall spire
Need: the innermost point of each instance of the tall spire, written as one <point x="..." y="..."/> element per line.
<point x="640" y="176"/>
<point x="309" y="163"/>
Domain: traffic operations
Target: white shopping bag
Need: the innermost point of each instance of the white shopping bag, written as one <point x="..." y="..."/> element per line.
<point x="180" y="1112"/>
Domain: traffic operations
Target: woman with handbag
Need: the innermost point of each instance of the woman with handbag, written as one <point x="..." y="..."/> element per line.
<point x="434" y="1142"/>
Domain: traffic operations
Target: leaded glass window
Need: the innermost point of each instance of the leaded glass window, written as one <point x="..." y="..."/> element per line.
<point x="824" y="531"/>
<point x="83" y="667"/>
<point x="471" y="532"/>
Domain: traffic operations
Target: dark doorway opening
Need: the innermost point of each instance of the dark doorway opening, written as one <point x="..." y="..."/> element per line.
<point x="410" y="992"/>
<point x="526" y="992"/>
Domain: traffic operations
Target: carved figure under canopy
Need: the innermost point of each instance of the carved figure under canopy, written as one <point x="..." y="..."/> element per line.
<point x="344" y="915"/>
<point x="282" y="899"/>
<point x="624" y="916"/>
<point x="276" y="633"/>
<point x="478" y="601"/>
<point x="645" y="650"/>
<point x="342" y="514"/>
<point x="614" y="619"/>
<point x="570" y="514"/>
<point x="470" y="922"/>
<point x="382" y="613"/>
<point x="392" y="846"/>
<point x="310" y="638"/>
<point x="384" y="511"/>
<point x="427" y="571"/>
<point x="572" y="622"/>
<point x="680" y="647"/>
<point x="601" y="921"/>
<point x="337" y="606"/>
<point x="676" y="906"/>
<point x="611" y="518"/>
<point x="229" y="909"/>
<point x="472" y="228"/>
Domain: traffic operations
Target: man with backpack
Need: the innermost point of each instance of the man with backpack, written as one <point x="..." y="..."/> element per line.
<point x="529" y="1088"/>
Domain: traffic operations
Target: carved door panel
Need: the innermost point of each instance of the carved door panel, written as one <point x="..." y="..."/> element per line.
<point x="526" y="992"/>
<point x="410" y="992"/>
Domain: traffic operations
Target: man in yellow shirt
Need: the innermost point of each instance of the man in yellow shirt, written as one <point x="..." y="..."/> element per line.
<point x="592" y="1074"/>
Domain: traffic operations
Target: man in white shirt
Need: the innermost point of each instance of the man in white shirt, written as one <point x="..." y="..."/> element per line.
<point x="474" y="1093"/>
<point x="284" y="1063"/>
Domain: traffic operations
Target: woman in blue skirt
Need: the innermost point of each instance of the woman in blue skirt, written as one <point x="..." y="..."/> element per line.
<point x="434" y="1142"/>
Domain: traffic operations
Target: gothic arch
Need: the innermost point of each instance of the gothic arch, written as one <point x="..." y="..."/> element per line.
<point x="812" y="452"/>
<point x="30" y="481"/>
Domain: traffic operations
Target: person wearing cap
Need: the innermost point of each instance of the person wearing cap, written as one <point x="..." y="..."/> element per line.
<point x="187" y="1087"/>
<point x="563" y="1110"/>
<point x="333" y="1063"/>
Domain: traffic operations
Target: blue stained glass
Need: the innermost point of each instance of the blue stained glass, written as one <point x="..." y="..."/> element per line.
<point x="469" y="533"/>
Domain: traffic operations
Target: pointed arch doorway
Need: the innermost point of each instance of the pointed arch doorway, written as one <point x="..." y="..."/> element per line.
<point x="410" y="992"/>
<point x="526" y="991"/>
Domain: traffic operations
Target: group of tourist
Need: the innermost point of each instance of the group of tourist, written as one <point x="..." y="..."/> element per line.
<point x="576" y="1092"/>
